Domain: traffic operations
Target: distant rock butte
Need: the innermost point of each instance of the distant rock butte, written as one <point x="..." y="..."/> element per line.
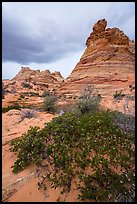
<point x="108" y="62"/>
<point x="27" y="73"/>
<point x="39" y="81"/>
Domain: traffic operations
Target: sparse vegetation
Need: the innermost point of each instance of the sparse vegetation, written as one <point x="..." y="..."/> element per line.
<point x="46" y="93"/>
<point x="22" y="96"/>
<point x="88" y="102"/>
<point x="71" y="145"/>
<point x="15" y="106"/>
<point x="26" y="85"/>
<point x="126" y="101"/>
<point x="118" y="95"/>
<point x="33" y="93"/>
<point x="50" y="104"/>
<point x="93" y="147"/>
<point x="27" y="113"/>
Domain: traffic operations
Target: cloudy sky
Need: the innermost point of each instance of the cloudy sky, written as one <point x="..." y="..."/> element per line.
<point x="52" y="35"/>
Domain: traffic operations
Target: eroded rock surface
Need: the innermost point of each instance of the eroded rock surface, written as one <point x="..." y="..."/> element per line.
<point x="108" y="62"/>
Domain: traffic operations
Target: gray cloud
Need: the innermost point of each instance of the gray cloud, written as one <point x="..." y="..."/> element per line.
<point x="21" y="46"/>
<point x="47" y="32"/>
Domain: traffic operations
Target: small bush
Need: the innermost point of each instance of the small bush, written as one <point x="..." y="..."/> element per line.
<point x="84" y="106"/>
<point x="46" y="93"/>
<point x="27" y="114"/>
<point x="50" y="104"/>
<point x="124" y="121"/>
<point x="15" y="106"/>
<point x="118" y="95"/>
<point x="34" y="94"/>
<point x="22" y="96"/>
<point x="88" y="101"/>
<point x="26" y="85"/>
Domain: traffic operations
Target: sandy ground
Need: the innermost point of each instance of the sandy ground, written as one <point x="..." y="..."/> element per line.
<point x="12" y="127"/>
<point x="22" y="187"/>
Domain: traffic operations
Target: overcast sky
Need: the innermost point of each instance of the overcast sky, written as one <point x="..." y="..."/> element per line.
<point x="52" y="35"/>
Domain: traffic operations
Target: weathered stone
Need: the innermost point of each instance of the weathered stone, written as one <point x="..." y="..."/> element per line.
<point x="109" y="59"/>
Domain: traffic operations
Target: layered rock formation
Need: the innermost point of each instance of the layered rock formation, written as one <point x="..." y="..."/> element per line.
<point x="108" y="62"/>
<point x="38" y="80"/>
<point x="46" y="75"/>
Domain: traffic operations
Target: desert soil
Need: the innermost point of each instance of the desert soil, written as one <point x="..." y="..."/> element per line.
<point x="22" y="187"/>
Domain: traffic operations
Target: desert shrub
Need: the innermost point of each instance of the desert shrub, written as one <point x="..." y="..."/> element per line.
<point x="19" y="99"/>
<point x="84" y="106"/>
<point x="15" y="106"/>
<point x="29" y="148"/>
<point x="88" y="102"/>
<point x="50" y="104"/>
<point x="127" y="101"/>
<point x="27" y="113"/>
<point x="22" y="96"/>
<point x="46" y="93"/>
<point x="124" y="121"/>
<point x="26" y="85"/>
<point x="72" y="144"/>
<point x="33" y="93"/>
<point x="118" y="95"/>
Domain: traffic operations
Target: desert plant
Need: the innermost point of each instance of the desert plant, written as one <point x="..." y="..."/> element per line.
<point x="89" y="101"/>
<point x="70" y="145"/>
<point x="22" y="96"/>
<point x="50" y="104"/>
<point x="85" y="106"/>
<point x="46" y="93"/>
<point x="118" y="95"/>
<point x="125" y="121"/>
<point x="15" y="106"/>
<point x="33" y="93"/>
<point x="26" y="85"/>
<point x="27" y="113"/>
<point x="127" y="101"/>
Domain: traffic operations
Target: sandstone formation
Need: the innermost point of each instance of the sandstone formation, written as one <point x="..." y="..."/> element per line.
<point x="108" y="62"/>
<point x="28" y="74"/>
<point x="32" y="84"/>
<point x="33" y="80"/>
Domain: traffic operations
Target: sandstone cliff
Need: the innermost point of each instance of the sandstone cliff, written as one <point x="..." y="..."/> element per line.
<point x="108" y="62"/>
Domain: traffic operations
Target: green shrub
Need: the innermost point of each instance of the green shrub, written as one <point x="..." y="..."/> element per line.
<point x="50" y="104"/>
<point x="67" y="143"/>
<point x="84" y="106"/>
<point x="15" y="106"/>
<point x="29" y="148"/>
<point x="22" y="96"/>
<point x="26" y="85"/>
<point x="34" y="94"/>
<point x="46" y="93"/>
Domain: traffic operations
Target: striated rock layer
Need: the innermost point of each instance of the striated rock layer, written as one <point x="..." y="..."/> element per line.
<point x="108" y="62"/>
<point x="38" y="80"/>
